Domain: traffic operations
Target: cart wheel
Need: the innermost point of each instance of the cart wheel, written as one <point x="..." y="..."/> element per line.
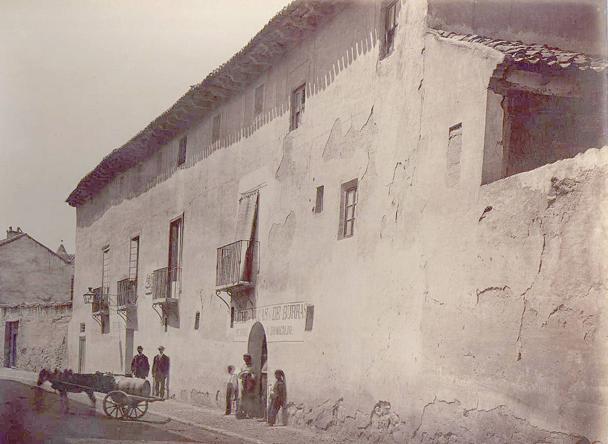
<point x="114" y="405"/>
<point x="135" y="410"/>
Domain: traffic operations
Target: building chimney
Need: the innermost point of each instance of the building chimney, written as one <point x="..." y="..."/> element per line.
<point x="12" y="233"/>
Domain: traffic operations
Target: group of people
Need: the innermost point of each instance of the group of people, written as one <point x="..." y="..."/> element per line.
<point x="242" y="389"/>
<point x="140" y="368"/>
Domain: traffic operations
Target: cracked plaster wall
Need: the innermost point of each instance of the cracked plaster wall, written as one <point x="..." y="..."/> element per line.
<point x="41" y="335"/>
<point x="429" y="321"/>
<point x="287" y="166"/>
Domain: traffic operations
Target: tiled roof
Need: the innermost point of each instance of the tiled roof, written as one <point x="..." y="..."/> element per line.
<point x="281" y="33"/>
<point x="532" y="55"/>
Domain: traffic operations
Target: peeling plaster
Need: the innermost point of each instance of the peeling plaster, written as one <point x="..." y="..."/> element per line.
<point x="498" y="290"/>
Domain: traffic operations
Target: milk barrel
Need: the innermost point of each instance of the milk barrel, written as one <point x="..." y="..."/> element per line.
<point x="133" y="386"/>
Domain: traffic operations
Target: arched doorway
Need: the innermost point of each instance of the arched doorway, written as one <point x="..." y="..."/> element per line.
<point x="258" y="350"/>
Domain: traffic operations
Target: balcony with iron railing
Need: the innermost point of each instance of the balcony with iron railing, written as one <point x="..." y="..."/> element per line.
<point x="236" y="265"/>
<point x="166" y="283"/>
<point x="100" y="303"/>
<point x="126" y="294"/>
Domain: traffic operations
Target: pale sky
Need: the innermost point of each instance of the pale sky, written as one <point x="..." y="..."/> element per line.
<point x="79" y="78"/>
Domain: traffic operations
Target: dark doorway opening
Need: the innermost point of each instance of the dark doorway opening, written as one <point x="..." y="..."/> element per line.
<point x="258" y="349"/>
<point x="543" y="129"/>
<point x="10" y="343"/>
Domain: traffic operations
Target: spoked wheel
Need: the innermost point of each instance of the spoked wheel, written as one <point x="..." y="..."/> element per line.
<point x="136" y="409"/>
<point x="114" y="405"/>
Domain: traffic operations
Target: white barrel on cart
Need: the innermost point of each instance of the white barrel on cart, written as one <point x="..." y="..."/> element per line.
<point x="133" y="386"/>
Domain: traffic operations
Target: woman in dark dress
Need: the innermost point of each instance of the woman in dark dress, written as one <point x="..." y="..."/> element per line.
<point x="278" y="396"/>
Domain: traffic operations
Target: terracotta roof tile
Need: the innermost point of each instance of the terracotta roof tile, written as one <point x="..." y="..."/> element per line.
<point x="532" y="54"/>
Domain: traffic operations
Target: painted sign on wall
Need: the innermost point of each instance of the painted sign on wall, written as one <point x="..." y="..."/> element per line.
<point x="282" y="322"/>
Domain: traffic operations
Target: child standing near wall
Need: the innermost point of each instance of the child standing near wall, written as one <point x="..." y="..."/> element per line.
<point x="278" y="397"/>
<point x="232" y="392"/>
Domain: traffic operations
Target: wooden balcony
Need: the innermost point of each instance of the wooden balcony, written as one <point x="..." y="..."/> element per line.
<point x="126" y="294"/>
<point x="236" y="265"/>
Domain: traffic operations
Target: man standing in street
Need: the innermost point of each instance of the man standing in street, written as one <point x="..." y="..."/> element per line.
<point x="160" y="372"/>
<point x="140" y="367"/>
<point x="232" y="393"/>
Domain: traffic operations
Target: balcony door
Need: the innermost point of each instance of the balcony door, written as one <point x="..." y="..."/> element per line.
<point x="176" y="231"/>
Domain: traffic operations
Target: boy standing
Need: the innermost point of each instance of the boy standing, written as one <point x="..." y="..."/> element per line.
<point x="232" y="391"/>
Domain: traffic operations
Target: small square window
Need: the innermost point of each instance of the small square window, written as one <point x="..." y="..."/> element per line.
<point x="258" y="104"/>
<point x="310" y="316"/>
<point x="453" y="155"/>
<point x="181" y="154"/>
<point x="319" y="199"/>
<point x="215" y="131"/>
<point x="390" y="15"/>
<point x="298" y="100"/>
<point x="348" y="205"/>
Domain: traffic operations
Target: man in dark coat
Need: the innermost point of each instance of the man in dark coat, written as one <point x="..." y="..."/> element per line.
<point x="140" y="367"/>
<point x="160" y="372"/>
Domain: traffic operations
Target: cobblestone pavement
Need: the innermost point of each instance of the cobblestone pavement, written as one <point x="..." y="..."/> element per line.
<point x="212" y="420"/>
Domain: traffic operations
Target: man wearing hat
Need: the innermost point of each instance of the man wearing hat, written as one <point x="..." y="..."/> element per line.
<point x="160" y="372"/>
<point x="140" y="367"/>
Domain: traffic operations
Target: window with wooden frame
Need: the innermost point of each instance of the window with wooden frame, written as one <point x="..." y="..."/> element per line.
<point x="181" y="153"/>
<point x="105" y="291"/>
<point x="105" y="272"/>
<point x="298" y="100"/>
<point x="176" y="232"/>
<point x="133" y="258"/>
<point x="215" y="130"/>
<point x="258" y="102"/>
<point x="319" y="199"/>
<point x="348" y="205"/>
<point x="390" y="16"/>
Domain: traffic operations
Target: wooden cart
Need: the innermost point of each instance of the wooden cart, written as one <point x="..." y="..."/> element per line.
<point x="120" y="405"/>
<point x="126" y="397"/>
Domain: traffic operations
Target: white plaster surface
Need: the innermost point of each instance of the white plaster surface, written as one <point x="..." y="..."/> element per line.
<point x="441" y="318"/>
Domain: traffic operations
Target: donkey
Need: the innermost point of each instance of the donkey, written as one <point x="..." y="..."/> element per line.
<point x="67" y="381"/>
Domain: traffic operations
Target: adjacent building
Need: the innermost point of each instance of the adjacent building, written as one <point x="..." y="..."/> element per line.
<point x="399" y="203"/>
<point x="36" y="286"/>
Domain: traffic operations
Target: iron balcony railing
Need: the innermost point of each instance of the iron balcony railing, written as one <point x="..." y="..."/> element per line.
<point x="100" y="303"/>
<point x="235" y="264"/>
<point x="126" y="292"/>
<point x="166" y="283"/>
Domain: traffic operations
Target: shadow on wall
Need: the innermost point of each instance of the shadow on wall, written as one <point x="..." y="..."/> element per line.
<point x="576" y="25"/>
<point x="136" y="181"/>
